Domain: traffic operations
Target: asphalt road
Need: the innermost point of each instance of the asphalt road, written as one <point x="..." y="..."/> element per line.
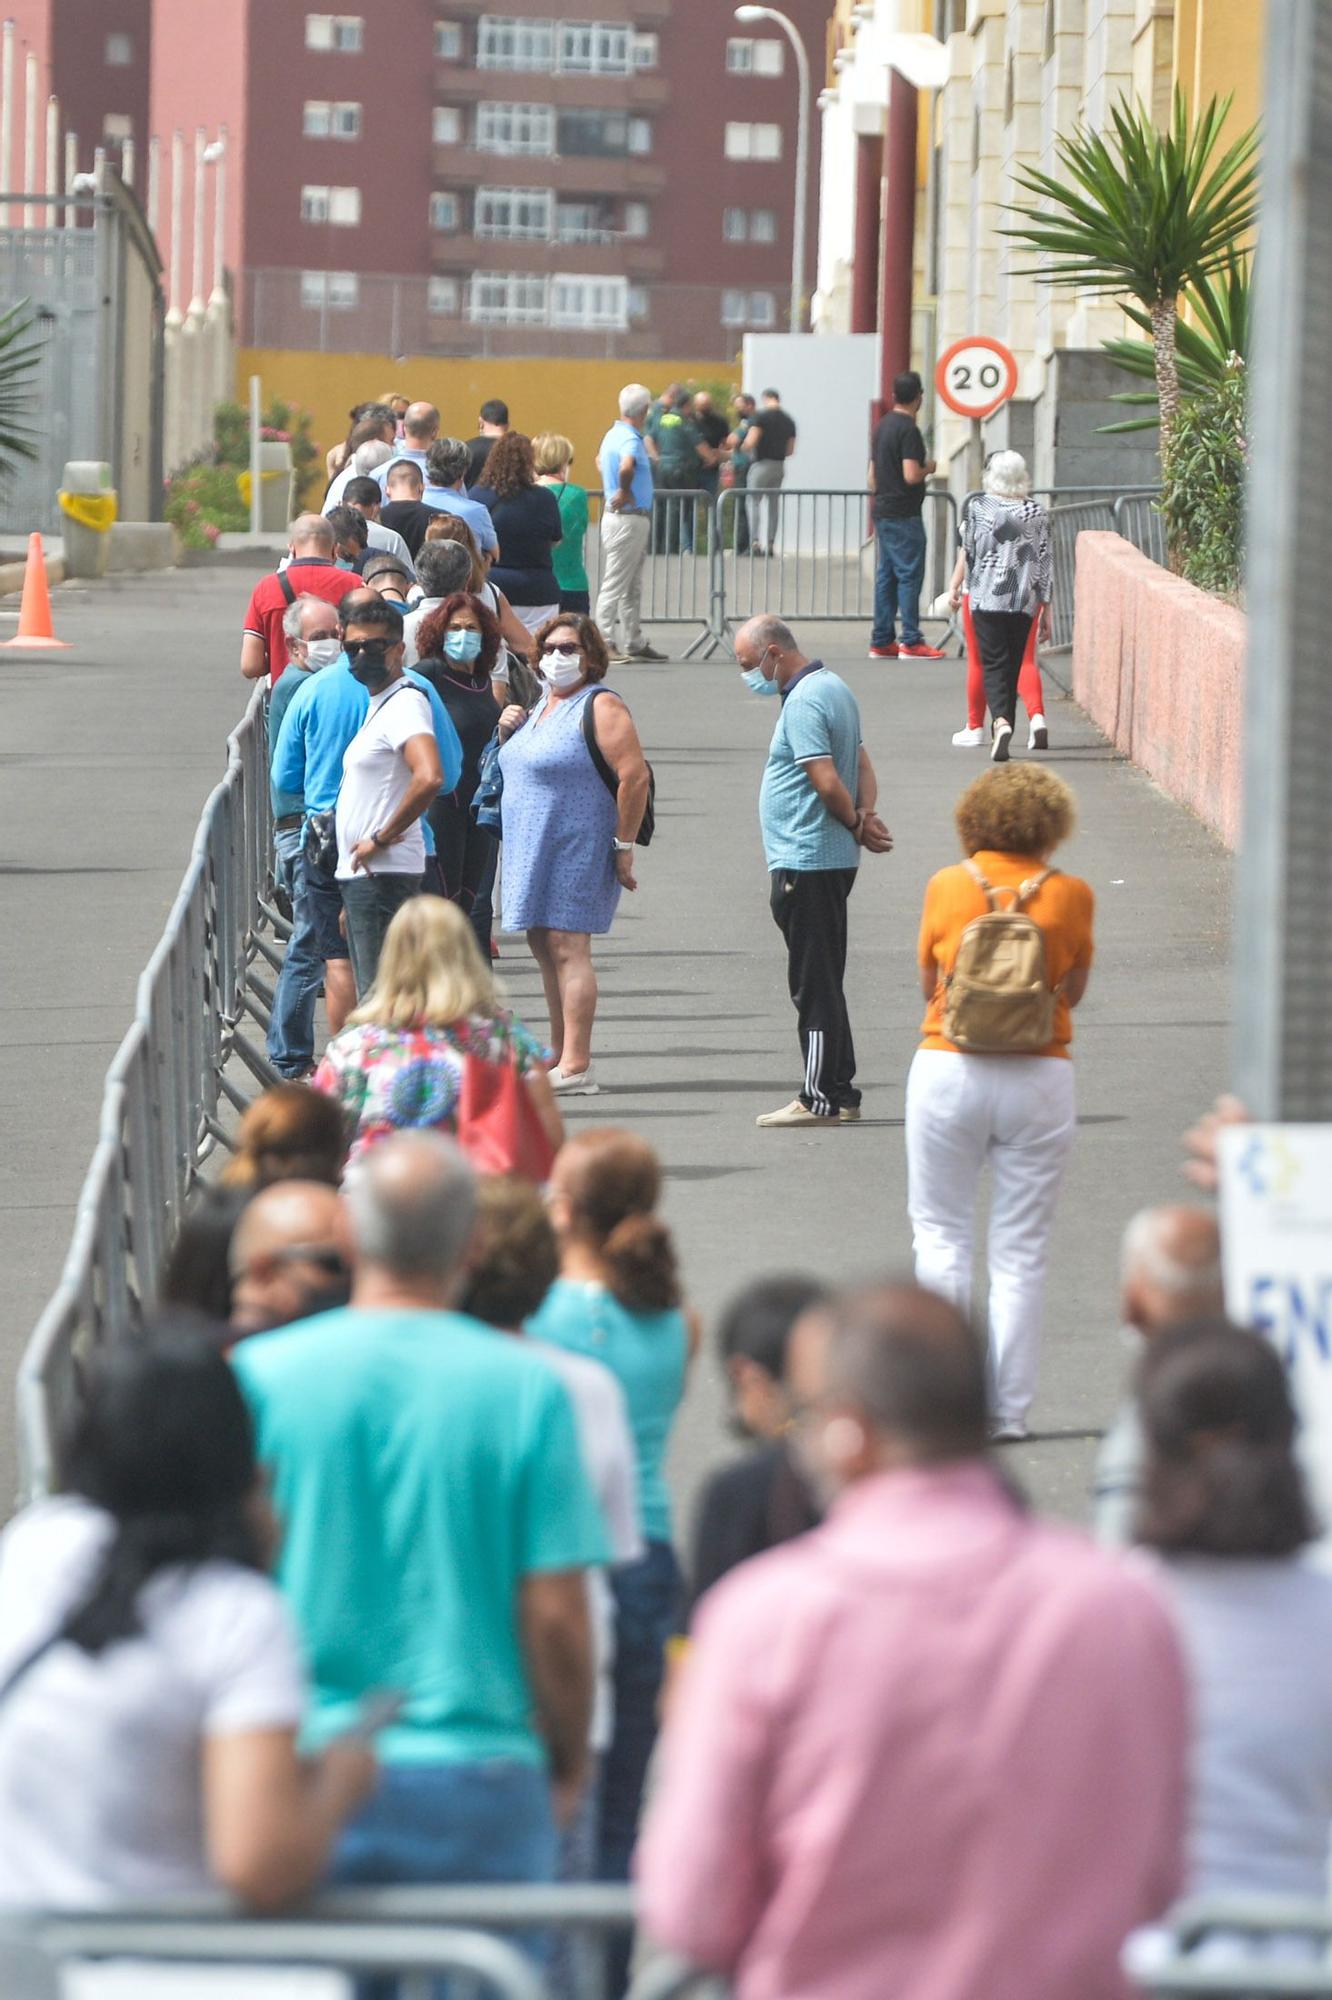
<point x="110" y="750"/>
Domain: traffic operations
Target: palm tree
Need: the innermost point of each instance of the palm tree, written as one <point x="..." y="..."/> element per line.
<point x="18" y="358"/>
<point x="1143" y="213"/>
<point x="1211" y="343"/>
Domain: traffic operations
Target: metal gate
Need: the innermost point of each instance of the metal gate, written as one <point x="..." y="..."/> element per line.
<point x="55" y="270"/>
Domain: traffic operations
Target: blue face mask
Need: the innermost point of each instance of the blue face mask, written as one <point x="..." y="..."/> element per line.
<point x="757" y="681"/>
<point x="462" y="645"/>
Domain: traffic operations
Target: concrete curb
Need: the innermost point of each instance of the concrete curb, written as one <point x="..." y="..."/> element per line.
<point x="11" y="575"/>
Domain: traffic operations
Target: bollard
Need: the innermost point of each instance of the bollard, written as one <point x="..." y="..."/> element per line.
<point x="88" y="503"/>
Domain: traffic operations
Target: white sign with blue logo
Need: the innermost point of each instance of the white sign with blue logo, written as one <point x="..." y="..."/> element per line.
<point x="1276" y="1229"/>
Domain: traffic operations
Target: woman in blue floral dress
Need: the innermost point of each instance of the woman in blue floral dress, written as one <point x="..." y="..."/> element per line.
<point x="398" y="1064"/>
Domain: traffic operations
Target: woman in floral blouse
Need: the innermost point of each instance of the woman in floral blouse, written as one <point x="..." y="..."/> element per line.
<point x="398" y="1064"/>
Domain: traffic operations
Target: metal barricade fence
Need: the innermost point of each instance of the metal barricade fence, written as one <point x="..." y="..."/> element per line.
<point x="1138" y="518"/>
<point x="680" y="573"/>
<point x="164" y="1092"/>
<point x="416" y="1932"/>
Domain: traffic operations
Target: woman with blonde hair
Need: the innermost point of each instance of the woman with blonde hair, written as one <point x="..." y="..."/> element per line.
<point x="553" y="456"/>
<point x="1008" y="567"/>
<point x="991" y="1080"/>
<point x="399" y="1063"/>
<point x="618" y="1299"/>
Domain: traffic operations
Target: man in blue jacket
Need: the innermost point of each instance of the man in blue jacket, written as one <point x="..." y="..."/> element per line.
<point x="320" y="721"/>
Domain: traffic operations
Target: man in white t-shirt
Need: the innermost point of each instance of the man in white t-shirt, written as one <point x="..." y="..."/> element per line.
<point x="390" y="773"/>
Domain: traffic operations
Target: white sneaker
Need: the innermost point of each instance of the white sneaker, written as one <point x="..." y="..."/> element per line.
<point x="1003" y="736"/>
<point x="1010" y="1430"/>
<point x="968" y="739"/>
<point x="1039" y="736"/>
<point x="581" y="1083"/>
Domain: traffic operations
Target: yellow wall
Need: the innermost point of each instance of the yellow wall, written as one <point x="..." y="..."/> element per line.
<point x="1219" y="53"/>
<point x="578" y="398"/>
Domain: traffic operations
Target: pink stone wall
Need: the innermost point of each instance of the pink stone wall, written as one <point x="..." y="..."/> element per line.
<point x="1159" y="666"/>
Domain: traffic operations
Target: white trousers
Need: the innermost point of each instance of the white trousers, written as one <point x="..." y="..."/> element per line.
<point x="624" y="547"/>
<point x="1018" y="1113"/>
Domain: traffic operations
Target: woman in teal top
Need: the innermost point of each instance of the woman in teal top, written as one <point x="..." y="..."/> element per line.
<point x="618" y="1300"/>
<point x="553" y="455"/>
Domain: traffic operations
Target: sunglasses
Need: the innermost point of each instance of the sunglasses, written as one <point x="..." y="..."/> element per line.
<point x="322" y="1255"/>
<point x="367" y="649"/>
<point x="561" y="648"/>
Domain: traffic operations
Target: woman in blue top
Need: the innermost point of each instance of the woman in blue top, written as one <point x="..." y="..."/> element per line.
<point x="618" y="1300"/>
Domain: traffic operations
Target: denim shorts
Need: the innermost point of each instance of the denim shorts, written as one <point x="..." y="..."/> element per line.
<point x="324" y="901"/>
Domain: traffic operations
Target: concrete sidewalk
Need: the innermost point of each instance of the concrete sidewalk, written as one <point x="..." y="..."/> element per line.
<point x="110" y="754"/>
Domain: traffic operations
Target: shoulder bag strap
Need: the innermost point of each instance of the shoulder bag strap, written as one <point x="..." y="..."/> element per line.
<point x="594" y="749"/>
<point x="284" y="585"/>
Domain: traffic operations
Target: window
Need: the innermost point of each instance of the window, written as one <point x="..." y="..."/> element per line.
<point x="448" y="40"/>
<point x="446" y="125"/>
<point x="344" y="33"/>
<point x="594" y="134"/>
<point x="340" y="291"/>
<point x="762" y="225"/>
<point x="589" y="302"/>
<point x="583" y="222"/>
<point x="508" y="44"/>
<point x="598" y="48"/>
<point x="118" y="126"/>
<point x="119" y="51"/>
<point x="753" y="142"/>
<point x="747" y="57"/>
<point x="339" y="205"/>
<point x="748" y="309"/>
<point x="442" y="297"/>
<point x="331" y="121"/>
<point x="507" y="298"/>
<point x="516" y="214"/>
<point x="443" y="211"/>
<point x="636" y="302"/>
<point x="735" y="225"/>
<point x="645" y="51"/>
<point x="640" y="135"/>
<point x="515" y="128"/>
<point x="637" y="218"/>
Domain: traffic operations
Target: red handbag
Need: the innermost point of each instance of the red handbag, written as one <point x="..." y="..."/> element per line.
<point x="498" y="1125"/>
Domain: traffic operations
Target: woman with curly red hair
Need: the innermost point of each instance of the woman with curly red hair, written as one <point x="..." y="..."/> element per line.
<point x="458" y="645"/>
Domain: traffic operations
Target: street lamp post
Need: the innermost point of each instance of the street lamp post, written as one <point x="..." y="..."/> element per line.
<point x="796" y="40"/>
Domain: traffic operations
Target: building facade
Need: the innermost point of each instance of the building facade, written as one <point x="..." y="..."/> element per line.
<point x="94" y="56"/>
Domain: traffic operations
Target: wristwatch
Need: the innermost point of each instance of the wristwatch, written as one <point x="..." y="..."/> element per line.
<point x="623" y="846"/>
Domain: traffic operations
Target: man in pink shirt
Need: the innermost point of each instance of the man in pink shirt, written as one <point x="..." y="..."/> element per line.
<point x="934" y="1750"/>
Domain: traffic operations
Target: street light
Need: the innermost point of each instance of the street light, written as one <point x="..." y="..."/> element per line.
<point x="793" y="35"/>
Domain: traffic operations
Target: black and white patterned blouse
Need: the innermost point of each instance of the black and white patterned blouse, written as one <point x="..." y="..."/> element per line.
<point x="1007" y="545"/>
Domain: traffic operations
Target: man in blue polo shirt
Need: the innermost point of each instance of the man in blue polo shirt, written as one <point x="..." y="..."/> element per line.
<point x="320" y="721"/>
<point x="816" y="809"/>
<point x="626" y="487"/>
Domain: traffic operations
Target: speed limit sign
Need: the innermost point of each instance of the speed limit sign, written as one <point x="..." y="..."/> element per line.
<point x="975" y="376"/>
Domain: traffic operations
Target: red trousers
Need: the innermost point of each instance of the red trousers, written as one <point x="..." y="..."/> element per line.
<point x="1029" y="686"/>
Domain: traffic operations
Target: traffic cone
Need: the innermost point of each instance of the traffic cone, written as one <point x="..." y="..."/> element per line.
<point x="34" y="627"/>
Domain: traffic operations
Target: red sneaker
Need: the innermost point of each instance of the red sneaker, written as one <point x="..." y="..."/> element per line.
<point x="922" y="652"/>
<point x="888" y="652"/>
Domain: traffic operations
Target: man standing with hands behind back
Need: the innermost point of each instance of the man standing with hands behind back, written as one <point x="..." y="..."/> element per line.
<point x="898" y="471"/>
<point x="816" y="808"/>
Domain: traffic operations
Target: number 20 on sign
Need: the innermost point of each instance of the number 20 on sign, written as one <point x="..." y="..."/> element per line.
<point x="975" y="376"/>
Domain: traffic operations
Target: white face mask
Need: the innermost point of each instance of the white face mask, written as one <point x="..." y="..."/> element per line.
<point x="563" y="668"/>
<point x="322" y="653"/>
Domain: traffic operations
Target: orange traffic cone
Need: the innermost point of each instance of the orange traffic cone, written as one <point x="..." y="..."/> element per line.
<point x="34" y="626"/>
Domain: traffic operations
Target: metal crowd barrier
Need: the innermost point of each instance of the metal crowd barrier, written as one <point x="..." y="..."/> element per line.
<point x="680" y="575"/>
<point x="410" y="1932"/>
<point x="1138" y="518"/>
<point x="1250" y="1946"/>
<point x="164" y="1092"/>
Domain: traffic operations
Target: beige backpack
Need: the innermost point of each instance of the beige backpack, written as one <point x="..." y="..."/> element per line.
<point x="997" y="998"/>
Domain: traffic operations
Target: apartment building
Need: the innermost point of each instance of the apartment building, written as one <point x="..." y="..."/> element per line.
<point x="93" y="55"/>
<point x="481" y="176"/>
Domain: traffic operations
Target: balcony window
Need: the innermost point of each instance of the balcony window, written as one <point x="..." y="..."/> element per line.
<point x="589" y="302"/>
<point x="442" y="297"/>
<point x="504" y="43"/>
<point x="323" y="120"/>
<point x="443" y="211"/>
<point x="449" y="41"/>
<point x="515" y="128"/>
<point x="595" y="48"/>
<point x="602" y="134"/>
<point x="753" y="142"/>
<point x="507" y="298"/>
<point x="339" y="291"/>
<point x="583" y="222"/>
<point x="747" y="57"/>
<point x="343" y="33"/>
<point x="516" y="215"/>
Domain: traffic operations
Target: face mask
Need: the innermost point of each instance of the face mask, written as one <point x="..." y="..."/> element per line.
<point x="563" y="668"/>
<point x="462" y="645"/>
<point x="344" y="563"/>
<point x="368" y="665"/>
<point x="757" y="681"/>
<point x="322" y="653"/>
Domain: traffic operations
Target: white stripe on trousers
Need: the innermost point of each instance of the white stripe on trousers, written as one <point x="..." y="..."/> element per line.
<point x="814" y="1074"/>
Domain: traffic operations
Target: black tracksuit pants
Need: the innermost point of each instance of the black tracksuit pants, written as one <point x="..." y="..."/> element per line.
<point x="1001" y="641"/>
<point x="809" y="907"/>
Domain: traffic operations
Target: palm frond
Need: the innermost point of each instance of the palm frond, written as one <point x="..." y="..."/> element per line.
<point x="19" y="357"/>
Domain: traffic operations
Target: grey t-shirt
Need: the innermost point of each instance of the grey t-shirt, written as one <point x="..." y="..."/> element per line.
<point x="1258" y="1636"/>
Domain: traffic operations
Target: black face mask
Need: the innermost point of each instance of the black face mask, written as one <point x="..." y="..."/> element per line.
<point x="328" y="1297"/>
<point x="366" y="658"/>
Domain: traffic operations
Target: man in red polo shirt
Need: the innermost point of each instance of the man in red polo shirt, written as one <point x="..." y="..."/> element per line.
<point x="311" y="572"/>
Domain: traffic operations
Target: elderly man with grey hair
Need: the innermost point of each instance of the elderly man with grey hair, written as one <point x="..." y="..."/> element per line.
<point x="439" y="1526"/>
<point x="445" y="493"/>
<point x="313" y="634"/>
<point x="441" y="568"/>
<point x="627" y="484"/>
<point x="1170" y="1273"/>
<point x="817" y="812"/>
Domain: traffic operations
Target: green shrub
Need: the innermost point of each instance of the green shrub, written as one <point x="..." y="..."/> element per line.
<point x="282" y="423"/>
<point x="204" y="501"/>
<point x="1202" y="497"/>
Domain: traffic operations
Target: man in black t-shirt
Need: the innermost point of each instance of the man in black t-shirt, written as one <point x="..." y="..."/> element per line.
<point x="899" y="468"/>
<point x="769" y="442"/>
<point x="493" y="419"/>
<point x="403" y="509"/>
